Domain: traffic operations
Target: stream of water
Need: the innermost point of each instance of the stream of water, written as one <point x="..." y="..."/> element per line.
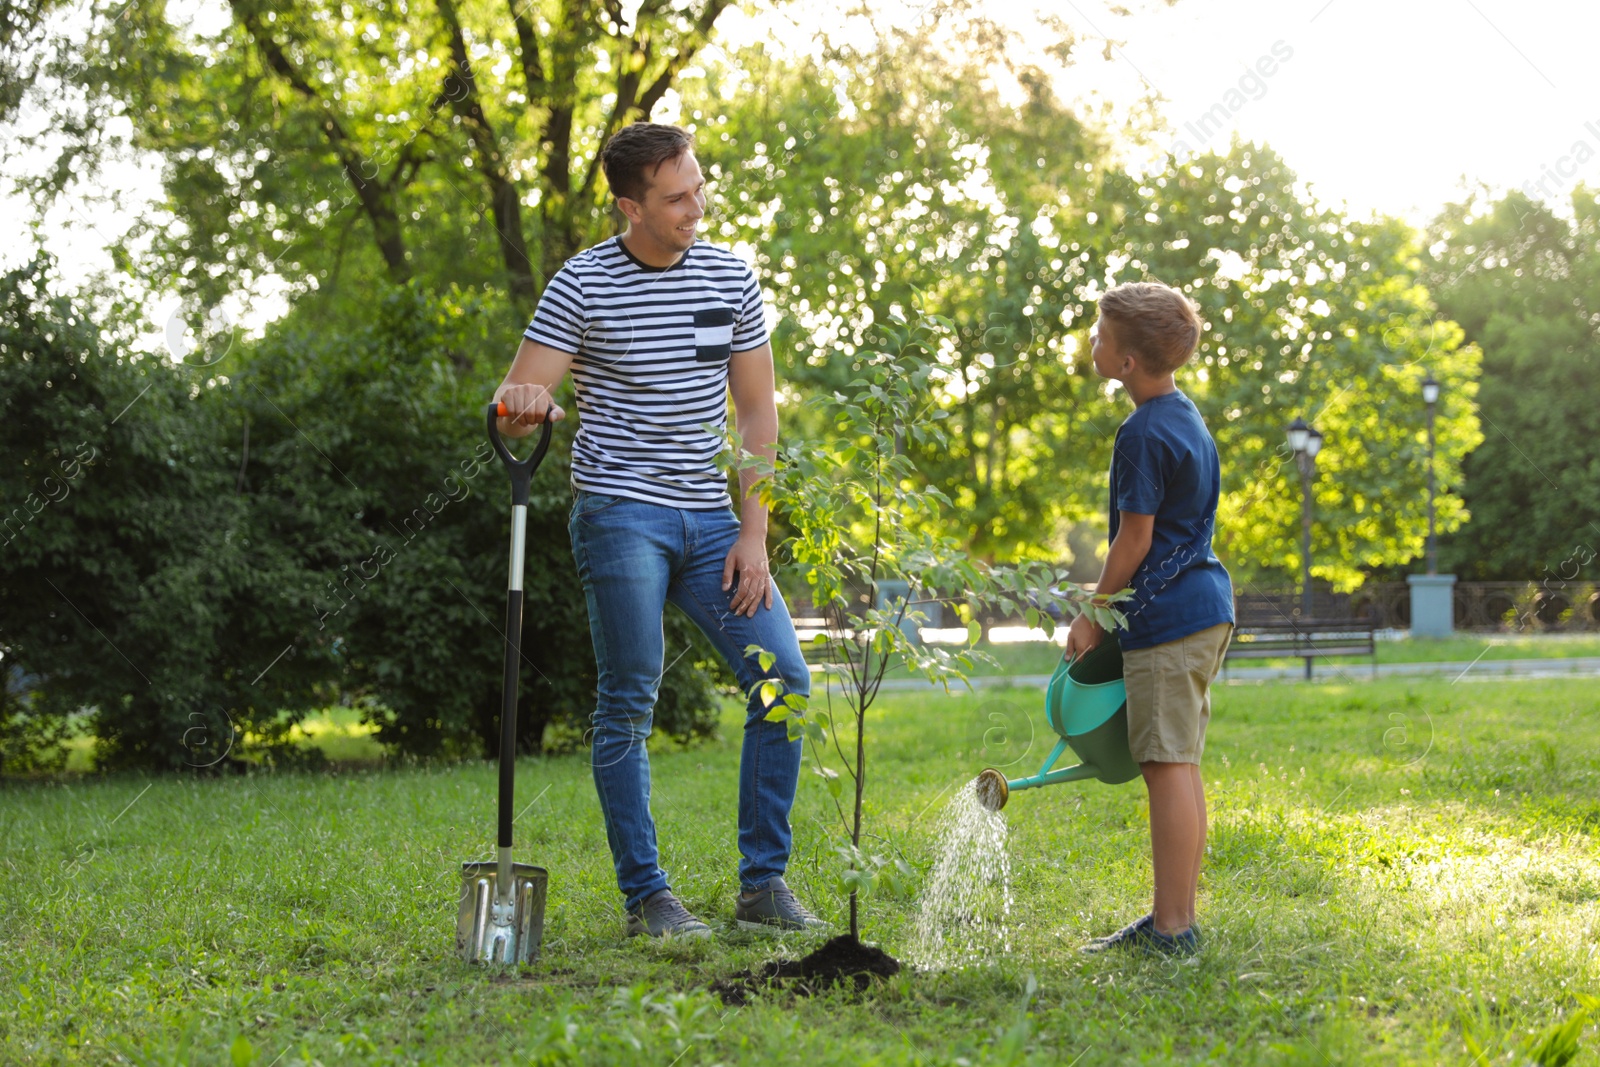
<point x="966" y="903"/>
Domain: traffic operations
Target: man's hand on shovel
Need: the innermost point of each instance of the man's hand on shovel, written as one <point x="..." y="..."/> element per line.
<point x="529" y="405"/>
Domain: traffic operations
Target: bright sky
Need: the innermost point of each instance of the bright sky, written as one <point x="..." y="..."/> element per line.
<point x="1387" y="105"/>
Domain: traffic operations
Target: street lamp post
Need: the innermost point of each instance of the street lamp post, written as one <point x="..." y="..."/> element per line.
<point x="1432" y="594"/>
<point x="1430" y="395"/>
<point x="1305" y="442"/>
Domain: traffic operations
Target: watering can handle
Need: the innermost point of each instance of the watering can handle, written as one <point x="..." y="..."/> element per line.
<point x="1070" y="659"/>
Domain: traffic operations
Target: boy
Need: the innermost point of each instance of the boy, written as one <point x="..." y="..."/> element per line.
<point x="1164" y="487"/>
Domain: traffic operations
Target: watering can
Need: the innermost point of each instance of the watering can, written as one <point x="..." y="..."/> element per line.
<point x="1086" y="705"/>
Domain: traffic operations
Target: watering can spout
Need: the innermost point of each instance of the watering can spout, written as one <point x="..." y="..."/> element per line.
<point x="993" y="789"/>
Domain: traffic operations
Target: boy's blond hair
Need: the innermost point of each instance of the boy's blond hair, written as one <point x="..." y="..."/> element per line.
<point x="1158" y="324"/>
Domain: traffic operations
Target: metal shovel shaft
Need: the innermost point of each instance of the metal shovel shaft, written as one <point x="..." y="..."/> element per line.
<point x="508" y="695"/>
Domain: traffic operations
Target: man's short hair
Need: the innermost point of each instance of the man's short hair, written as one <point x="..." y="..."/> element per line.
<point x="635" y="153"/>
<point x="1157" y="323"/>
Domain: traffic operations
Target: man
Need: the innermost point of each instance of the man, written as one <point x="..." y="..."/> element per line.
<point x="657" y="328"/>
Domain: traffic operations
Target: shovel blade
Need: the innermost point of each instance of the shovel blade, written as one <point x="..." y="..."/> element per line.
<point x="491" y="928"/>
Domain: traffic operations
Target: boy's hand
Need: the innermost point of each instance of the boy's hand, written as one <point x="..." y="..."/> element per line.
<point x="1083" y="635"/>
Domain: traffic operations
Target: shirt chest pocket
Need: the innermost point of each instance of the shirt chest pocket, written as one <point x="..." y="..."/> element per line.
<point x="713" y="334"/>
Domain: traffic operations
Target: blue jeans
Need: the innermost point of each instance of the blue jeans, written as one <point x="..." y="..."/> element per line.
<point x="633" y="557"/>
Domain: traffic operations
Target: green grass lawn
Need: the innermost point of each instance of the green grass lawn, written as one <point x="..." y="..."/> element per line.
<point x="343" y="739"/>
<point x="1401" y="871"/>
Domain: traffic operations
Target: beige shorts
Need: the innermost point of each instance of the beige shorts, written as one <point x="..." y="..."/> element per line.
<point x="1169" y="695"/>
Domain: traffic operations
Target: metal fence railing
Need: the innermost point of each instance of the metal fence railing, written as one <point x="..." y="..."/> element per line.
<point x="1505" y="607"/>
<point x="1547" y="606"/>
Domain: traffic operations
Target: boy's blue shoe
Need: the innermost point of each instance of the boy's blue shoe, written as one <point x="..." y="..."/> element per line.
<point x="1141" y="936"/>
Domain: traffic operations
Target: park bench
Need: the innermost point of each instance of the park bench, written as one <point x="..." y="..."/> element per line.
<point x="1307" y="639"/>
<point x="816" y="653"/>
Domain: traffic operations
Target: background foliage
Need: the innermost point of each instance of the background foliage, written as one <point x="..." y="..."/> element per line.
<point x="1524" y="283"/>
<point x="336" y="145"/>
<point x="405" y="176"/>
<point x="311" y="519"/>
<point x="1309" y="313"/>
<point x="1009" y="220"/>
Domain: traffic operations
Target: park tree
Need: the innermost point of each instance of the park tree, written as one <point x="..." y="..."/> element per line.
<point x="919" y="174"/>
<point x="902" y="179"/>
<point x="333" y="145"/>
<point x="414" y="173"/>
<point x="867" y="542"/>
<point x="130" y="590"/>
<point x="23" y="37"/>
<point x="1522" y="280"/>
<point x="399" y="512"/>
<point x="1308" y="312"/>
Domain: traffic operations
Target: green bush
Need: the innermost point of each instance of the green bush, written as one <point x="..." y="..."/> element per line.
<point x="204" y="553"/>
<point x="122" y="557"/>
<point x="30" y="743"/>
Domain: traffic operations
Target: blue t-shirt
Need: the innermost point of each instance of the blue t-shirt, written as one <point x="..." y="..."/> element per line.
<point x="1164" y="463"/>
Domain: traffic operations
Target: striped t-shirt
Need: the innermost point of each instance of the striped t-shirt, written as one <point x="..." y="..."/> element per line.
<point x="651" y="348"/>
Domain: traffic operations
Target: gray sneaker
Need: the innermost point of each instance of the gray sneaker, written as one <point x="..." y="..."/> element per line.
<point x="663" y="916"/>
<point x="775" y="909"/>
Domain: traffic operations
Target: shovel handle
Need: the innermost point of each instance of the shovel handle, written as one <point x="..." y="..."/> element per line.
<point x="521" y="469"/>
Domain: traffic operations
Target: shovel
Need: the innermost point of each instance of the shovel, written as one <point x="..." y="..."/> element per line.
<point x="501" y="917"/>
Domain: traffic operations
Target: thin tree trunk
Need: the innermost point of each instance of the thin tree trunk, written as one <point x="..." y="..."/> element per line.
<point x="556" y="207"/>
<point x="861" y="782"/>
<point x="377" y="200"/>
<point x="552" y="58"/>
<point x="385" y="226"/>
<point x="461" y="88"/>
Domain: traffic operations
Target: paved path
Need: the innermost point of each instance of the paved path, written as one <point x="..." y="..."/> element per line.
<point x="1465" y="670"/>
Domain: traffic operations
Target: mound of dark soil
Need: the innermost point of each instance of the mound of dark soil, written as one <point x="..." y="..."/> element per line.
<point x="842" y="961"/>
